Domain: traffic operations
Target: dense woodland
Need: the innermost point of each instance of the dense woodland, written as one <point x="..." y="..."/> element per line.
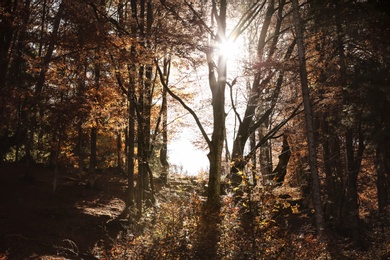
<point x="296" y="125"/>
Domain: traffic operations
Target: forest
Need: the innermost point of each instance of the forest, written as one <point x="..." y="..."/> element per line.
<point x="289" y="99"/>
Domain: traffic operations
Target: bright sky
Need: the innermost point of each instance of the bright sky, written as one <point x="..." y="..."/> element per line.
<point x="183" y="153"/>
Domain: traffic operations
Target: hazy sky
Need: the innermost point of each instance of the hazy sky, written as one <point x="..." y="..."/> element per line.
<point x="183" y="153"/>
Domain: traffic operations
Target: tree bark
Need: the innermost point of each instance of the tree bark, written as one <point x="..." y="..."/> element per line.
<point x="164" y="148"/>
<point x="130" y="147"/>
<point x="284" y="157"/>
<point x="217" y="87"/>
<point x="265" y="154"/>
<point x="333" y="172"/>
<point x="57" y="156"/>
<point x="6" y="35"/>
<point x="309" y="123"/>
<point x="119" y="150"/>
<point x="382" y="179"/>
<point x="80" y="146"/>
<point x="92" y="159"/>
<point x="350" y="212"/>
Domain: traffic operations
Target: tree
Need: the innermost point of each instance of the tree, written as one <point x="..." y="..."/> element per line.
<point x="264" y="93"/>
<point x="309" y="122"/>
<point x="164" y="111"/>
<point x="217" y="73"/>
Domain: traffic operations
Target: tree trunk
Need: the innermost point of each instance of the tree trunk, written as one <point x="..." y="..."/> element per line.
<point x="382" y="179"/>
<point x="254" y="158"/>
<point x="81" y="148"/>
<point x="92" y="159"/>
<point x="50" y="49"/>
<point x="251" y="121"/>
<point x="215" y="159"/>
<point x="164" y="148"/>
<point x="140" y="187"/>
<point x="351" y="219"/>
<point x="119" y="150"/>
<point x="281" y="169"/>
<point x="333" y="172"/>
<point x="246" y="128"/>
<point x="217" y="141"/>
<point x="144" y="189"/>
<point x="130" y="148"/>
<point x="217" y="87"/>
<point x="265" y="155"/>
<point x="309" y="123"/>
<point x="57" y="156"/>
<point x="39" y="86"/>
<point x="350" y="213"/>
<point x="131" y="101"/>
<point x="6" y="36"/>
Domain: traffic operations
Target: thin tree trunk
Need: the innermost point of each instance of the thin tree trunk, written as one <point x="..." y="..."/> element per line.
<point x="382" y="184"/>
<point x="92" y="159"/>
<point x="57" y="156"/>
<point x="81" y="150"/>
<point x="309" y="123"/>
<point x="284" y="157"/>
<point x="149" y="88"/>
<point x="6" y="35"/>
<point x="254" y="158"/>
<point x="130" y="150"/>
<point x="164" y="148"/>
<point x="264" y="158"/>
<point x="119" y="150"/>
<point x="140" y="154"/>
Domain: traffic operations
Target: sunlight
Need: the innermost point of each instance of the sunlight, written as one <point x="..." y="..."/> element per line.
<point x="228" y="48"/>
<point x="183" y="153"/>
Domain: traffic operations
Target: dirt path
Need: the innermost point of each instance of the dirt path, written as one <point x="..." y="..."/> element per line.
<point x="70" y="224"/>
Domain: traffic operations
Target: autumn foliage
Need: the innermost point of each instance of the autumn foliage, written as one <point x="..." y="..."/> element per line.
<point x="296" y="125"/>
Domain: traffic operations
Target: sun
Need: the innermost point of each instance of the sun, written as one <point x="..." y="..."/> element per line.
<point x="228" y="48"/>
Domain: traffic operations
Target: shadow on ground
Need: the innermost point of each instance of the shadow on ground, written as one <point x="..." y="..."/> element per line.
<point x="74" y="222"/>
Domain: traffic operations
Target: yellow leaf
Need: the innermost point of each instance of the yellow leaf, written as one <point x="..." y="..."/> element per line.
<point x="295" y="209"/>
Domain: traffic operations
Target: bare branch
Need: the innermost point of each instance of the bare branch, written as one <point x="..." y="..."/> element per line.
<point x="273" y="132"/>
<point x="231" y="99"/>
<point x="246" y="19"/>
<point x="196" y="118"/>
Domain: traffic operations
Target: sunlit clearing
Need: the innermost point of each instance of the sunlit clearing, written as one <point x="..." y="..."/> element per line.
<point x="183" y="153"/>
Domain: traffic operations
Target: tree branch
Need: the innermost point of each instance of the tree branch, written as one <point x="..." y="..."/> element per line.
<point x="232" y="101"/>
<point x="196" y="118"/>
<point x="245" y="20"/>
<point x="273" y="132"/>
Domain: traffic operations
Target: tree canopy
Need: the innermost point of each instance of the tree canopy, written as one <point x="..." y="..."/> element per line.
<point x="301" y="102"/>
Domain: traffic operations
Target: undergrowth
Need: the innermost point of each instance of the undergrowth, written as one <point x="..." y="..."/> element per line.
<point x="259" y="225"/>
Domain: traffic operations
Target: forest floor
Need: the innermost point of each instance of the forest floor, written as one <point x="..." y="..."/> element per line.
<point x="71" y="223"/>
<point x="77" y="222"/>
